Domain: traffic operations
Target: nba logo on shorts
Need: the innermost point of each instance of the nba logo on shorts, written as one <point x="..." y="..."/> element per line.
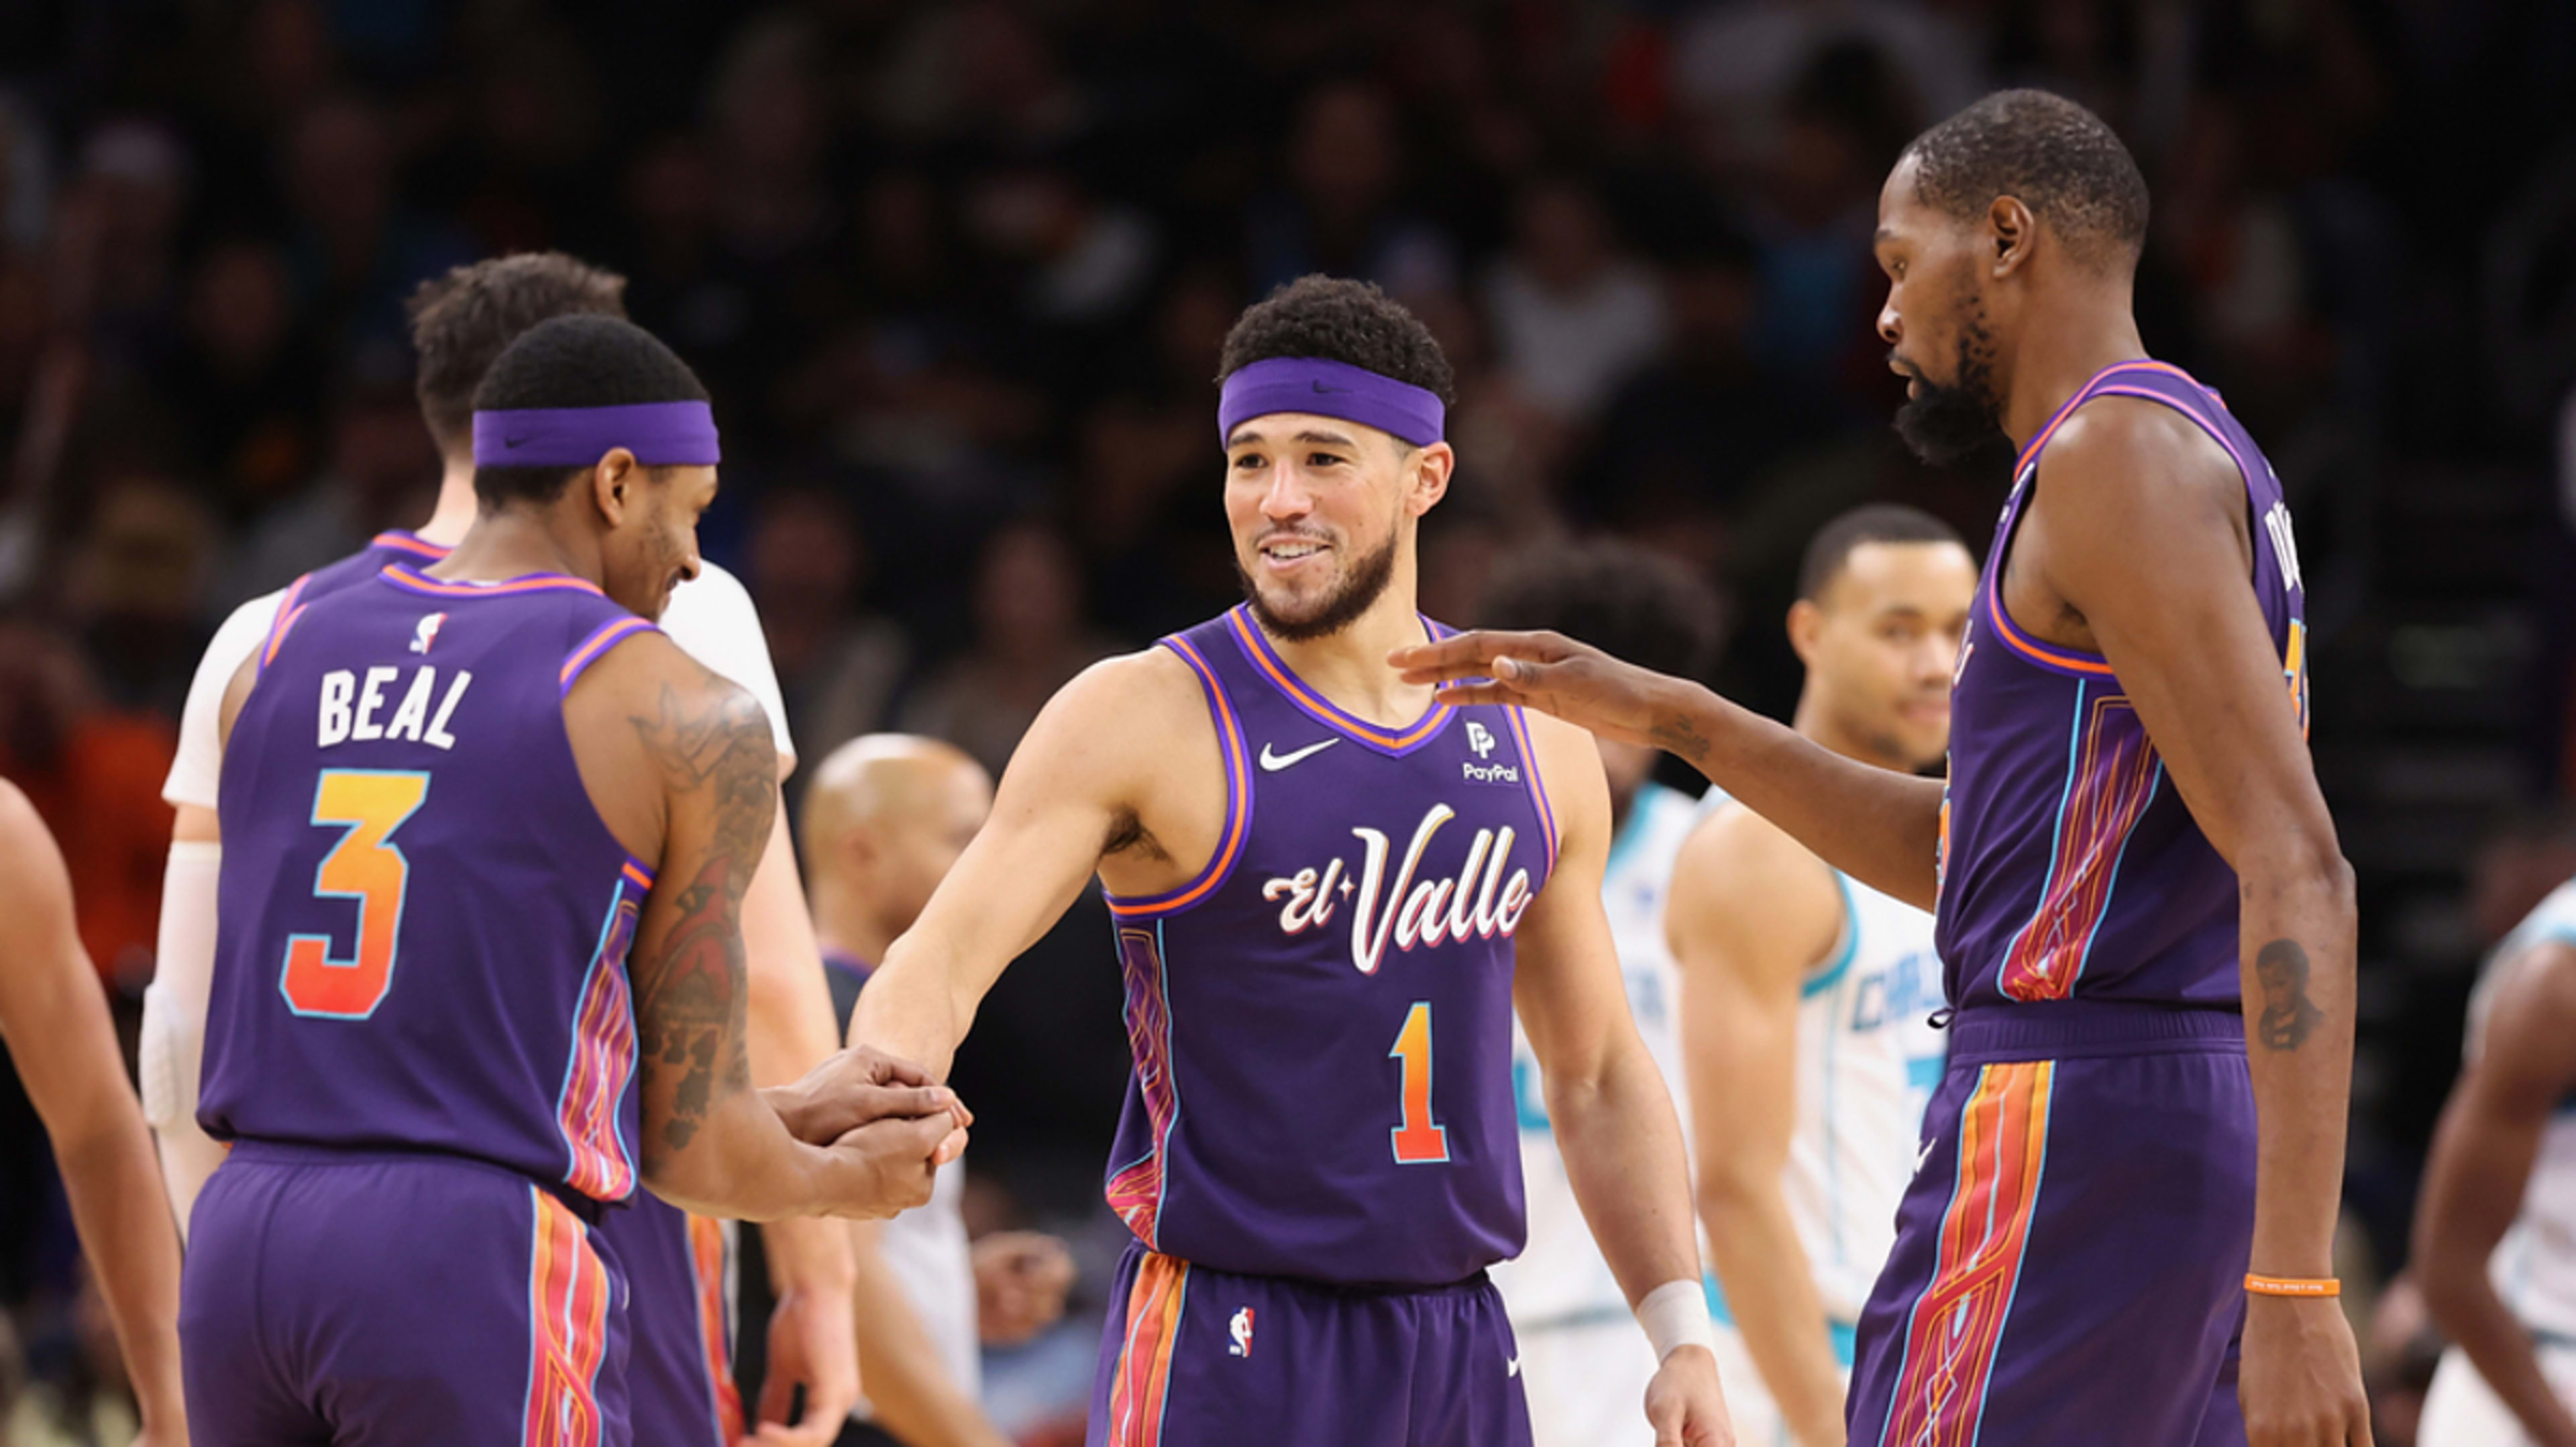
<point x="1241" y="1330"/>
<point x="1479" y="738"/>
<point x="427" y="632"/>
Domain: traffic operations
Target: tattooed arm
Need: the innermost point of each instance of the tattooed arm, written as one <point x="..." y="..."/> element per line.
<point x="2139" y="543"/>
<point x="677" y="756"/>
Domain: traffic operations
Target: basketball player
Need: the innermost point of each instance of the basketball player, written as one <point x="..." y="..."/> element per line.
<point x="421" y="1031"/>
<point x="885" y="819"/>
<point x="680" y="1373"/>
<point x="2130" y="844"/>
<point x="1321" y="879"/>
<point x="59" y="1036"/>
<point x="1583" y="1365"/>
<point x="2495" y="1237"/>
<point x="1807" y="996"/>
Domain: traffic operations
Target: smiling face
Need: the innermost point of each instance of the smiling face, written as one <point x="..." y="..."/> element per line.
<point x="1323" y="514"/>
<point x="652" y="542"/>
<point x="1938" y="320"/>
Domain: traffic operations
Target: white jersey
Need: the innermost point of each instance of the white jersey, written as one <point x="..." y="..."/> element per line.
<point x="927" y="1251"/>
<point x="712" y="619"/>
<point x="2534" y="1266"/>
<point x="710" y="616"/>
<point x="1560" y="1278"/>
<point x="1868" y="1062"/>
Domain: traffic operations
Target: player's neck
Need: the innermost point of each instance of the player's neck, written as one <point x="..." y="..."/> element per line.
<point x="513" y="543"/>
<point x="1823" y="725"/>
<point x="454" y="516"/>
<point x="2062" y="345"/>
<point x="1349" y="667"/>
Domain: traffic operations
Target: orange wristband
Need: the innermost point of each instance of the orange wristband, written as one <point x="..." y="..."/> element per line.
<point x="2292" y="1285"/>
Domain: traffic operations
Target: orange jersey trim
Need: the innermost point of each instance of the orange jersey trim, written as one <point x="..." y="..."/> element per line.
<point x="1277" y="671"/>
<point x="568" y="1300"/>
<point x="1957" y="1324"/>
<point x="1144" y="1377"/>
<point x="1238" y="801"/>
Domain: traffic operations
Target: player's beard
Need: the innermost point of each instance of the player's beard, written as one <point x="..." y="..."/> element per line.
<point x="1339" y="609"/>
<point x="1945" y="425"/>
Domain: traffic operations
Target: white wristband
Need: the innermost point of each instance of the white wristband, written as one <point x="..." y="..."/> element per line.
<point x="1675" y="1315"/>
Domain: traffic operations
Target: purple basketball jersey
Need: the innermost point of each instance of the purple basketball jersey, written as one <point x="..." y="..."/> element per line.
<point x="2069" y="863"/>
<point x="1322" y="1019"/>
<point x="424" y="922"/>
<point x="381" y="552"/>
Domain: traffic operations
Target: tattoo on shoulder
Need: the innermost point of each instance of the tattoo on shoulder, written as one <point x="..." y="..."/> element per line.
<point x="2288" y="1017"/>
<point x="689" y="986"/>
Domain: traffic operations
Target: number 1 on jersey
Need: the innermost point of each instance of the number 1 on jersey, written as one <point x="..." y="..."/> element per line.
<point x="1418" y="1141"/>
<point x="369" y="804"/>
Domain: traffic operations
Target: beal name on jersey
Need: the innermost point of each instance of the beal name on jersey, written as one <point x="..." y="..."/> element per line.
<point x="353" y="711"/>
<point x="1481" y="901"/>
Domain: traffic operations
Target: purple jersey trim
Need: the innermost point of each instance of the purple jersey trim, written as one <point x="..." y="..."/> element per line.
<point x="407" y="542"/>
<point x="594" y="648"/>
<point x="1238" y="801"/>
<point x="288" y="609"/>
<point x="411" y="580"/>
<point x="1393" y="743"/>
<point x="1537" y="788"/>
<point x="2076" y="662"/>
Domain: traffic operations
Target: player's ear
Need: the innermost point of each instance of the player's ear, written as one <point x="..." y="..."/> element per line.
<point x="2010" y="230"/>
<point x="1806" y="621"/>
<point x="1427" y="481"/>
<point x="614" y="483"/>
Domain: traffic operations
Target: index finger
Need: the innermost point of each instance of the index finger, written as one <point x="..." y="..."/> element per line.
<point x="1458" y="656"/>
<point x="892" y="1069"/>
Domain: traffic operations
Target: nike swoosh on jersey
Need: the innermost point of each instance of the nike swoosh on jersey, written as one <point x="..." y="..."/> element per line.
<point x="1272" y="763"/>
<point x="1512" y="1368"/>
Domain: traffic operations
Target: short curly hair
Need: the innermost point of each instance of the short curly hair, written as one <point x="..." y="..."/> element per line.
<point x="574" y="361"/>
<point x="463" y="320"/>
<point x="2058" y="158"/>
<point x="1340" y="321"/>
<point x="1633" y="604"/>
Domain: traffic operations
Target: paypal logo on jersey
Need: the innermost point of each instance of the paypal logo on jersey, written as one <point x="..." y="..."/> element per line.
<point x="1479" y="738"/>
<point x="1401" y="906"/>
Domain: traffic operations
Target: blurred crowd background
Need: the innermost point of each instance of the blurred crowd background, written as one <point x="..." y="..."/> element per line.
<point x="956" y="274"/>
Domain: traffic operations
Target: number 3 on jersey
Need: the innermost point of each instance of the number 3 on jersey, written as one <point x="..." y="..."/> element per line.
<point x="1417" y="1141"/>
<point x="368" y="805"/>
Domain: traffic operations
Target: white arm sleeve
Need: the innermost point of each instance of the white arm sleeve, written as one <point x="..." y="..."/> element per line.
<point x="712" y="618"/>
<point x="174" y="1022"/>
<point x="199" y="764"/>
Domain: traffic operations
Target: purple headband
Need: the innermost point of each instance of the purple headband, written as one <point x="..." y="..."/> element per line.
<point x="1328" y="389"/>
<point x="660" y="434"/>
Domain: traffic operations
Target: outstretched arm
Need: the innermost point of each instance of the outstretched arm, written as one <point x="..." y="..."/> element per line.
<point x="2473" y="1188"/>
<point x="55" y="1020"/>
<point x="1068" y="798"/>
<point x="2140" y="526"/>
<point x="1880" y="827"/>
<point x="1749" y="915"/>
<point x="1612" y="1114"/>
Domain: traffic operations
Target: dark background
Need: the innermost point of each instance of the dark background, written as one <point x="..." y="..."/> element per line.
<point x="956" y="276"/>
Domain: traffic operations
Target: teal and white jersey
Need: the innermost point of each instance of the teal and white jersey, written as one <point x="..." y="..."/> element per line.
<point x="2534" y="1266"/>
<point x="1868" y="1061"/>
<point x="1559" y="1279"/>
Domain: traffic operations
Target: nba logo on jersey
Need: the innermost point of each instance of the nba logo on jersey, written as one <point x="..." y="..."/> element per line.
<point x="1241" y="1330"/>
<point x="426" y="632"/>
<point x="1479" y="738"/>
